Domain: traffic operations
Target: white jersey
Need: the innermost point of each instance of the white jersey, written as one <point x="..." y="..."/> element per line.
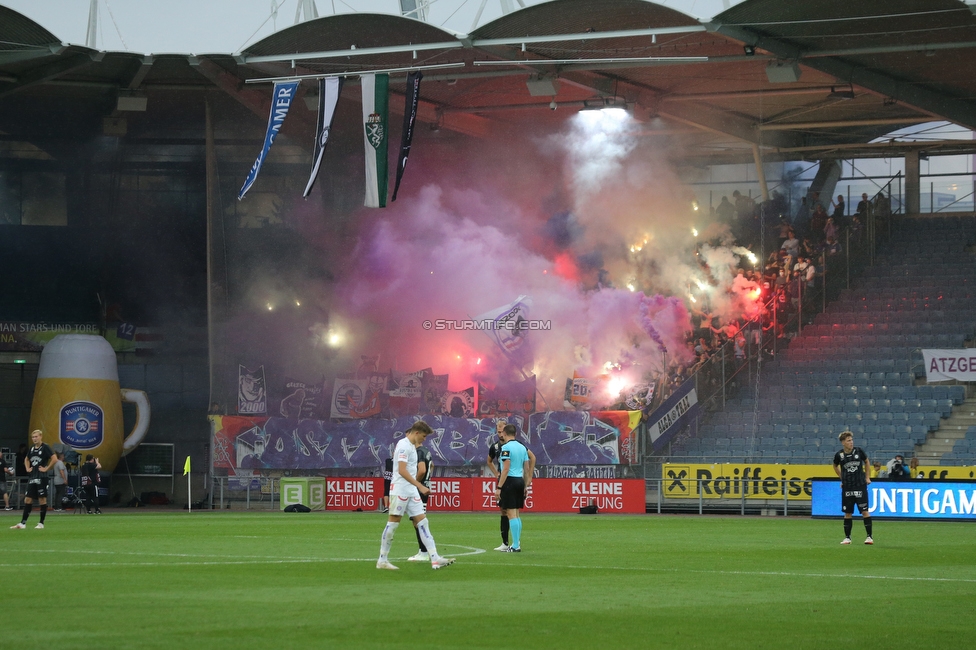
<point x="405" y="452"/>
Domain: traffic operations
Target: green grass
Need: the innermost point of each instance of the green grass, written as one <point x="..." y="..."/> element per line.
<point x="273" y="580"/>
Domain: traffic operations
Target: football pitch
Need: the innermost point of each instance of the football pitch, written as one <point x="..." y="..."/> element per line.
<point x="274" y="580"/>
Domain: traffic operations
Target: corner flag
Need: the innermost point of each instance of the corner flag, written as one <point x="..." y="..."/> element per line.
<point x="186" y="466"/>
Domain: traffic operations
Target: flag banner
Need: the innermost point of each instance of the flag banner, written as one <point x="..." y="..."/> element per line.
<point x="556" y="438"/>
<point x="946" y="365"/>
<point x="507" y="399"/>
<point x="369" y="365"/>
<point x="671" y="417"/>
<point x="329" y="91"/>
<point x="405" y="393"/>
<point x="638" y="397"/>
<point x="186" y="466"/>
<point x="458" y="404"/>
<point x="252" y="393"/>
<point x="434" y="388"/>
<point x="579" y="392"/>
<point x="510" y="324"/>
<point x="284" y="94"/>
<point x="376" y="134"/>
<point x="348" y="395"/>
<point x="374" y="399"/>
<point x="409" y="121"/>
<point x="302" y="400"/>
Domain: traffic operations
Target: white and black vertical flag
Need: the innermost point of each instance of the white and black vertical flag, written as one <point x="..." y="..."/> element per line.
<point x="329" y="90"/>
<point x="409" y="120"/>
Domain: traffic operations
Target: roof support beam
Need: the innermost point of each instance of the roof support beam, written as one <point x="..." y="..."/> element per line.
<point x="956" y="110"/>
<point x="728" y="125"/>
<point x="791" y="126"/>
<point x="467" y="42"/>
<point x="45" y="72"/>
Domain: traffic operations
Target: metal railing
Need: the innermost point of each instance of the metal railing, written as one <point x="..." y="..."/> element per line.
<point x="661" y="499"/>
<point x="263" y="492"/>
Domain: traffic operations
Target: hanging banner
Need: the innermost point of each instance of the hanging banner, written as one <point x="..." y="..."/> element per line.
<point x="507" y="399"/>
<point x="409" y="121"/>
<point x="376" y="134"/>
<point x="458" y="404"/>
<point x="671" y="417"/>
<point x="284" y="94"/>
<point x="948" y="365"/>
<point x="508" y="325"/>
<point x="252" y="393"/>
<point x="329" y="90"/>
<point x="348" y="396"/>
<point x="301" y="400"/>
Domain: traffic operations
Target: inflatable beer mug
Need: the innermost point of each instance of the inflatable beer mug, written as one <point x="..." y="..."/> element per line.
<point x="78" y="402"/>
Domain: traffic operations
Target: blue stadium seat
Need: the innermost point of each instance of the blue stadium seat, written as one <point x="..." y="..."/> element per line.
<point x="957" y="394"/>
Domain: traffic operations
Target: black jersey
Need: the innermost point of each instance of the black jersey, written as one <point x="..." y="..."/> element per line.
<point x="38" y="457"/>
<point x="494" y="452"/>
<point x="388" y="470"/>
<point x="89" y="473"/>
<point x="852" y="476"/>
<point x="423" y="456"/>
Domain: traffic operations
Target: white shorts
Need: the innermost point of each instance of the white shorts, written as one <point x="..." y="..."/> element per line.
<point x="409" y="505"/>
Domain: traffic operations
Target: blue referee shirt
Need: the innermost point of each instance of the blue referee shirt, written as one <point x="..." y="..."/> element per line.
<point x="515" y="452"/>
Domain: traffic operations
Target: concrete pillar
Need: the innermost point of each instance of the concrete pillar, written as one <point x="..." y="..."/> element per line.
<point x="912" y="183"/>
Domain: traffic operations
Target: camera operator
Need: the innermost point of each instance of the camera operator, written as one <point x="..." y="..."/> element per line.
<point x="897" y="470"/>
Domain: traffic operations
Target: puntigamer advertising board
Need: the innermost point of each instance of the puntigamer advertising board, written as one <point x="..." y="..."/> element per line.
<point x="921" y="499"/>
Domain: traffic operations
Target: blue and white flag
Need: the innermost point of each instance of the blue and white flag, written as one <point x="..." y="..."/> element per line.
<point x="508" y="325"/>
<point x="284" y="94"/>
<point x="329" y="90"/>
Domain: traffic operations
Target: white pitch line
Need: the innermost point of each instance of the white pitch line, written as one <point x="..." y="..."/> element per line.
<point x="220" y="560"/>
<point x="786" y="574"/>
<point x="208" y="560"/>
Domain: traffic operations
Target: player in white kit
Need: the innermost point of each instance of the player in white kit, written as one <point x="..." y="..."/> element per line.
<point x="405" y="494"/>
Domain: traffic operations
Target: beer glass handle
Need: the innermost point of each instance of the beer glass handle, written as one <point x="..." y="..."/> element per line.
<point x="141" y="400"/>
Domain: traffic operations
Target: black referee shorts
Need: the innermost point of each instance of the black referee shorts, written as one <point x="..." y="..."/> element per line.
<point x="513" y="494"/>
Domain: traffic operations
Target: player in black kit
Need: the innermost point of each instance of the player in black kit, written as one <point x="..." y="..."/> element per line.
<point x="40" y="459"/>
<point x="495" y="466"/>
<point x="423" y="475"/>
<point x="851" y="466"/>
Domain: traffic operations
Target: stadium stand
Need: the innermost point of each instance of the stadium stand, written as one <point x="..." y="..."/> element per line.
<point x="858" y="366"/>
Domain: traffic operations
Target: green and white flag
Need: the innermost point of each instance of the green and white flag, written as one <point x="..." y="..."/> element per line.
<point x="377" y="135"/>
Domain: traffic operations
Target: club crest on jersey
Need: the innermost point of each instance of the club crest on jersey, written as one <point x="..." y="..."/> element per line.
<point x="82" y="425"/>
<point x="375" y="133"/>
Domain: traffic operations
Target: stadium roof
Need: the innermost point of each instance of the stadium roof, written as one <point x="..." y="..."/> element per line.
<point x="818" y="79"/>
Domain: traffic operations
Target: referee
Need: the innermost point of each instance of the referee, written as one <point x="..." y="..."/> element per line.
<point x="495" y="467"/>
<point x="517" y="465"/>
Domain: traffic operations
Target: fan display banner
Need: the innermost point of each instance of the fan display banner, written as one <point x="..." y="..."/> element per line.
<point x="329" y="90"/>
<point x="252" y="392"/>
<point x="376" y="134"/>
<point x="947" y="365"/>
<point x="678" y="411"/>
<point x="409" y="121"/>
<point x="276" y="443"/>
<point x="508" y="325"/>
<point x="284" y="94"/>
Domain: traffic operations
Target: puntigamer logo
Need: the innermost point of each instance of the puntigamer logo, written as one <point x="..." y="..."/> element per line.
<point x="82" y="425"/>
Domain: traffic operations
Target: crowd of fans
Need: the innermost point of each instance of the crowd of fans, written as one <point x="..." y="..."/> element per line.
<point x="790" y="280"/>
